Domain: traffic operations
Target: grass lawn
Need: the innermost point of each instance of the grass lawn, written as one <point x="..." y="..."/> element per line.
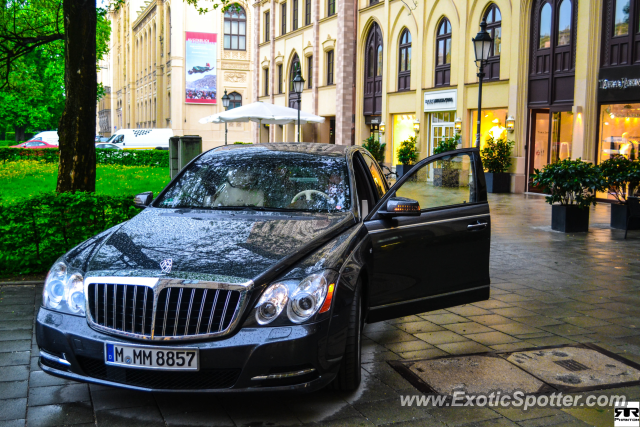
<point x="26" y="178"/>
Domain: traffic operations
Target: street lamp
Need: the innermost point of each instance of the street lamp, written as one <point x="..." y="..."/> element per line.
<point x="482" y="46"/>
<point x="298" y="86"/>
<point x="225" y="104"/>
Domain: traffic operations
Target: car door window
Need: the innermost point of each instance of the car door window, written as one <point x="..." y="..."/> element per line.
<point x="446" y="181"/>
<point x="366" y="197"/>
<point x="378" y="179"/>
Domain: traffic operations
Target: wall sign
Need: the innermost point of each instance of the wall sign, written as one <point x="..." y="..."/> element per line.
<point x="443" y="100"/>
<point x="200" y="76"/>
<point x="619" y="84"/>
<point x="623" y="83"/>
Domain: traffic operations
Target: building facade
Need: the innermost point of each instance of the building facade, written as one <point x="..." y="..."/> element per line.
<point x="171" y="65"/>
<point x="413" y="69"/>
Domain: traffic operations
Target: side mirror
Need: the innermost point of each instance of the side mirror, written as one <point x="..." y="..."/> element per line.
<point x="400" y="206"/>
<point x="143" y="200"/>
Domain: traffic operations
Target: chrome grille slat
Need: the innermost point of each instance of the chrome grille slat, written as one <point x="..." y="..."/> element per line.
<point x="164" y="309"/>
<point x="175" y="324"/>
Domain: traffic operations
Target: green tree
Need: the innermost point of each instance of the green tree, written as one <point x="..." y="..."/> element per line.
<point x="25" y="26"/>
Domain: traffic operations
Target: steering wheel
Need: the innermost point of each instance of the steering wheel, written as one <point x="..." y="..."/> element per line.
<point x="307" y="194"/>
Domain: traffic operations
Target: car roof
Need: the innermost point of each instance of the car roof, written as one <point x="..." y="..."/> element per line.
<point x="294" y="147"/>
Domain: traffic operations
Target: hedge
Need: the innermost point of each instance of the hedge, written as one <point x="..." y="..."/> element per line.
<point x="103" y="156"/>
<point x="35" y="231"/>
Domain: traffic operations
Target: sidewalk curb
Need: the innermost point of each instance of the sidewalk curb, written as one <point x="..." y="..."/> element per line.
<point x="26" y="282"/>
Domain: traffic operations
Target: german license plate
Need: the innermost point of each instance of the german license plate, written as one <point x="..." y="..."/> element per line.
<point x="145" y="357"/>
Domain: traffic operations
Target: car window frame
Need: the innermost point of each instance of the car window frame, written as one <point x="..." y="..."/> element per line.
<point x="474" y="153"/>
<point x="364" y="154"/>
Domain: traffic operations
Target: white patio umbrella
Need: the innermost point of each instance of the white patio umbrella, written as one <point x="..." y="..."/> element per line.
<point x="263" y="113"/>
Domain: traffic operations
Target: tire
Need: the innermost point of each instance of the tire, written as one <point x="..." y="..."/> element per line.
<point x="349" y="375"/>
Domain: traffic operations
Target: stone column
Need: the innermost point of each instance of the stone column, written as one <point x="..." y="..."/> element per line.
<point x="272" y="67"/>
<point x="255" y="90"/>
<point x="344" y="72"/>
<point x="315" y="18"/>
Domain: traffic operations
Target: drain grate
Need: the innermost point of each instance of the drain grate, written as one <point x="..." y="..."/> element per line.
<point x="571" y="365"/>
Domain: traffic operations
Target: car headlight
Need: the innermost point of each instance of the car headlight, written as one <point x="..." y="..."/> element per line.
<point x="64" y="290"/>
<point x="303" y="299"/>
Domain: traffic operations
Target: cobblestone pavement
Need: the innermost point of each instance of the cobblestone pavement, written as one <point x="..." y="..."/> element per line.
<point x="548" y="288"/>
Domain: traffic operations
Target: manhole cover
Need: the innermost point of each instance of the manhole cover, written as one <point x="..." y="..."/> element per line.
<point x="574" y="367"/>
<point x="474" y="374"/>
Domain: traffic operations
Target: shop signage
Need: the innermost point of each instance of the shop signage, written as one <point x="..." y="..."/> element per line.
<point x="443" y="100"/>
<point x="623" y="83"/>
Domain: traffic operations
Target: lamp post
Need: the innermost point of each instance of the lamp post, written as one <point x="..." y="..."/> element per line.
<point x="482" y="47"/>
<point x="225" y="104"/>
<point x="298" y="86"/>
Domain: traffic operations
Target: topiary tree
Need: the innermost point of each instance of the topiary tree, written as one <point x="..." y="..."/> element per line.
<point x="407" y="153"/>
<point x="620" y="175"/>
<point x="375" y="148"/>
<point x="570" y="182"/>
<point x="496" y="155"/>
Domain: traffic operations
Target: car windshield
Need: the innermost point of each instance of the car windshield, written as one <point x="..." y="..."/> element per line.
<point x="261" y="179"/>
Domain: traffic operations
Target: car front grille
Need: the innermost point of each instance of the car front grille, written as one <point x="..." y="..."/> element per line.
<point x="160" y="380"/>
<point x="168" y="312"/>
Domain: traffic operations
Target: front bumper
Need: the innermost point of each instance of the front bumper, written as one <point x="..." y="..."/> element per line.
<point x="226" y="365"/>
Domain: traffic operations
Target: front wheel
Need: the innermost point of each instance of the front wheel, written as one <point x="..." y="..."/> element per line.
<point x="349" y="375"/>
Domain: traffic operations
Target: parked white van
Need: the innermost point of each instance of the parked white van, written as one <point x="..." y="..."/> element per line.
<point x="141" y="139"/>
<point x="50" y="137"/>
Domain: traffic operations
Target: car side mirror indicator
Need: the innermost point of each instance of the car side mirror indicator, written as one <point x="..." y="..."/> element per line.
<point x="143" y="200"/>
<point x="401" y="206"/>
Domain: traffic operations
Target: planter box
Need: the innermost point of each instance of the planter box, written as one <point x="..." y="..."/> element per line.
<point x="446" y="177"/>
<point x="498" y="182"/>
<point x="402" y="170"/>
<point x="619" y="216"/>
<point x="569" y="219"/>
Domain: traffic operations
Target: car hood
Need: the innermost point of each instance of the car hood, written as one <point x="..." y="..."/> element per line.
<point x="232" y="246"/>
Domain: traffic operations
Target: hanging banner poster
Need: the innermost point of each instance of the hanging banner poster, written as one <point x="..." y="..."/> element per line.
<point x="200" y="79"/>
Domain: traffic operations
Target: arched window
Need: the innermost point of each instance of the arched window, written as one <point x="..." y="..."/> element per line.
<point x="620" y="33"/>
<point x="564" y="23"/>
<point x="544" y="36"/>
<point x="493" y="17"/>
<point x="235" y="28"/>
<point x="443" y="53"/>
<point x="294" y="98"/>
<point x="235" y="100"/>
<point x="404" y="61"/>
<point x="373" y="77"/>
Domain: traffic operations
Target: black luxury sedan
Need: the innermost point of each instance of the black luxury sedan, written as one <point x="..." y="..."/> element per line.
<point x="257" y="267"/>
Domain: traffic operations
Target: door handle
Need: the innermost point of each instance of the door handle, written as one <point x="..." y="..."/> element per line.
<point x="477" y="226"/>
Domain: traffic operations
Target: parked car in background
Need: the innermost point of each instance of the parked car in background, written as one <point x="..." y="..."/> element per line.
<point x="108" y="146"/>
<point x="50" y="137"/>
<point x="257" y="267"/>
<point x="146" y="139"/>
<point x="34" y="144"/>
<point x="100" y="138"/>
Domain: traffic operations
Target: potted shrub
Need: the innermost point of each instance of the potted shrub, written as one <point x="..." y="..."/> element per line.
<point x="407" y="155"/>
<point x="621" y="176"/>
<point x="444" y="175"/>
<point x="572" y="186"/>
<point x="496" y="159"/>
<point x="376" y="149"/>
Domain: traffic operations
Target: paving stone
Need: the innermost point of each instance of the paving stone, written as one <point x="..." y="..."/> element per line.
<point x="10" y="325"/>
<point x="440" y="337"/>
<point x="514" y="328"/>
<point x="567" y="330"/>
<point x="469" y="310"/>
<point x="42" y="379"/>
<point x="405" y="319"/>
<point x="13" y="389"/>
<point x="601" y="313"/>
<point x="59" y="394"/>
<point x="465" y="347"/>
<point x="390" y="411"/>
<point x="13" y="409"/>
<point x="379" y="356"/>
<point x="492" y="338"/>
<point x="513" y="346"/>
<point x="615" y="331"/>
<point x="422" y="354"/>
<point x="490" y="319"/>
<point x="417" y="327"/>
<point x="126" y="417"/>
<point x="408" y="346"/>
<point x="387" y="337"/>
<point x="538" y="321"/>
<point x="491" y="304"/>
<point x="14" y="358"/>
<point x="204" y="419"/>
<point x="444" y="319"/>
<point x="512" y="312"/>
<point x="585" y="321"/>
<point x="547" y="341"/>
<point x="17" y="345"/>
<point x="13" y="423"/>
<point x="454" y="416"/>
<point x="468" y="328"/>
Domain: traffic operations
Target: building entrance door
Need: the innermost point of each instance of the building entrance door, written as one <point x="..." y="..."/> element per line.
<point x="550" y="140"/>
<point x="442" y="128"/>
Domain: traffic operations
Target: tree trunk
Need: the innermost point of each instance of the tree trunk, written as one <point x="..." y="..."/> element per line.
<point x="19" y="133"/>
<point x="77" y="129"/>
